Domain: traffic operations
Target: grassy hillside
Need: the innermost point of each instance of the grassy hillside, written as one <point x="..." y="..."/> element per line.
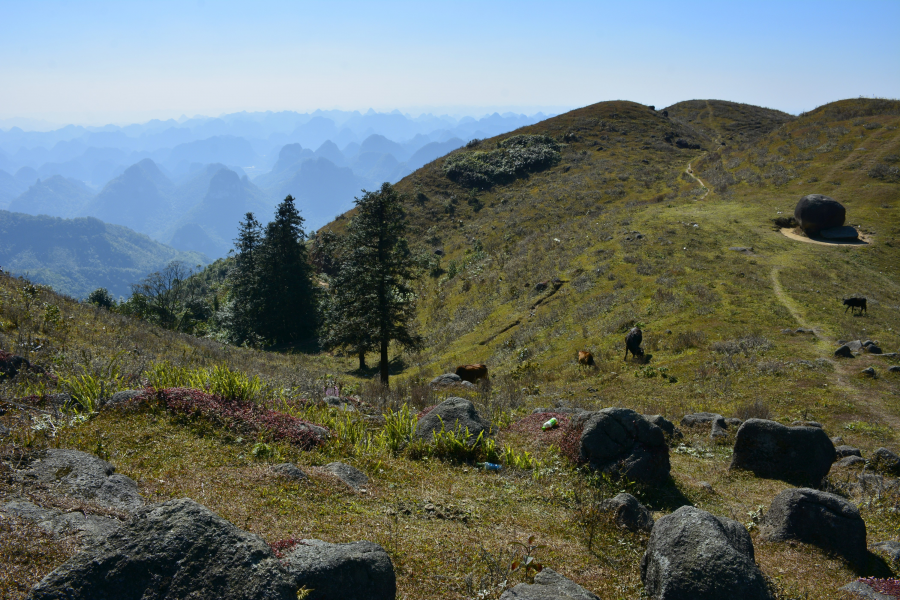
<point x="608" y="218"/>
<point x="76" y="256"/>
<point x="728" y="123"/>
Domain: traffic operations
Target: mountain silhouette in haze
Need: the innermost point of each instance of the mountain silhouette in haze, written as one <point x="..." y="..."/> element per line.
<point x="55" y="197"/>
<point x="76" y="256"/>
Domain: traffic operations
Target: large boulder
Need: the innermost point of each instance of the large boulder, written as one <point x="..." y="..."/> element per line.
<point x="818" y="518"/>
<point x="774" y="451"/>
<point x="628" y="512"/>
<point x="453" y="414"/>
<point x="351" y="476"/>
<point x="816" y="212"/>
<point x="623" y="442"/>
<point x="354" y="571"/>
<point x="174" y="550"/>
<point x="549" y="585"/>
<point x="83" y="476"/>
<point x="693" y="554"/>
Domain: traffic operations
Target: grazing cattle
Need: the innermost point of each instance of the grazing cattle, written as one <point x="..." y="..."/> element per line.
<point x="633" y="343"/>
<point x="585" y="358"/>
<point x="854" y="303"/>
<point x="472" y="373"/>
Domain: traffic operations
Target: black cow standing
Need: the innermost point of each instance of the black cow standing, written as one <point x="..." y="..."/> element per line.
<point x="854" y="303"/>
<point x="633" y="343"/>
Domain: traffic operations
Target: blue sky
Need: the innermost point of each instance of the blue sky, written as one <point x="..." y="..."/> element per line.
<point x="127" y="61"/>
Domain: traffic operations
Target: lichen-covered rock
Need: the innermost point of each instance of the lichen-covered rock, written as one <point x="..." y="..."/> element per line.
<point x="623" y="442"/>
<point x="120" y="398"/>
<point x="816" y="212"/>
<point x="453" y="414"/>
<point x="90" y="528"/>
<point x="354" y="571"/>
<point x="773" y="451"/>
<point x="818" y="518"/>
<point x="549" y="585"/>
<point x="290" y="470"/>
<point x="178" y="549"/>
<point x="693" y="554"/>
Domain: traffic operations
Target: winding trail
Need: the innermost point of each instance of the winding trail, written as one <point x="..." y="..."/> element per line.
<point x="690" y="171"/>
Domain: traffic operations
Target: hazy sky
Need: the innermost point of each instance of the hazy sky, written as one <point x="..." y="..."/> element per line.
<point x="128" y="61"/>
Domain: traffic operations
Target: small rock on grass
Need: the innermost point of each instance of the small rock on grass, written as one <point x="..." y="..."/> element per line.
<point x="890" y="549"/>
<point x="352" y="476"/>
<point x="549" y="585"/>
<point x="628" y="512"/>
<point x="869" y="372"/>
<point x="844" y="450"/>
<point x="844" y="352"/>
<point x="886" y="461"/>
<point x="290" y="470"/>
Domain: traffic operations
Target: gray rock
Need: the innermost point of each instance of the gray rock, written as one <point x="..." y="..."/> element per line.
<point x="693" y="554"/>
<point x="891" y="549"/>
<point x="354" y="571"/>
<point x="773" y="451"/>
<point x="843" y="352"/>
<point x="549" y="585"/>
<point x="858" y="589"/>
<point x="842" y="451"/>
<point x="850" y="461"/>
<point x="290" y="470"/>
<point x="453" y="414"/>
<point x="620" y="441"/>
<point x="868" y="372"/>
<point x="840" y="233"/>
<point x="854" y="345"/>
<point x="120" y="398"/>
<point x="818" y="518"/>
<point x="717" y="422"/>
<point x="628" y="512"/>
<point x="83" y="476"/>
<point x="339" y="403"/>
<point x="868" y="343"/>
<point x="837" y="440"/>
<point x="886" y="461"/>
<point x="91" y="528"/>
<point x="894" y="369"/>
<point x="353" y="477"/>
<point x="60" y="400"/>
<point x="807" y="424"/>
<point x="178" y="549"/>
<point x="873" y="349"/>
<point x="666" y="425"/>
<point x="816" y="212"/>
<point x="446" y="379"/>
<point x="734" y="422"/>
<point x="873" y="484"/>
<point x="802" y="330"/>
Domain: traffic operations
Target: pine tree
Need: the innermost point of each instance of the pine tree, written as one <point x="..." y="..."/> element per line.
<point x="372" y="302"/>
<point x="244" y="304"/>
<point x="286" y="292"/>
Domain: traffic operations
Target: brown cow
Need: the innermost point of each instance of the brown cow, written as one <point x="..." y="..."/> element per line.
<point x="585" y="358"/>
<point x="472" y="373"/>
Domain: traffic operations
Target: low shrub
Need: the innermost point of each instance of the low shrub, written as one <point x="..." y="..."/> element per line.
<point x="514" y="157"/>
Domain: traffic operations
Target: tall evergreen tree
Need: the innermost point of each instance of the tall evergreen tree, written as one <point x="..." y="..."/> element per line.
<point x="372" y="302"/>
<point x="286" y="291"/>
<point x="244" y="297"/>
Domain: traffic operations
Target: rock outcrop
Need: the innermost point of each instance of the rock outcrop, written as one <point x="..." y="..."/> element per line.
<point x="549" y="585"/>
<point x="354" y="571"/>
<point x="628" y="512"/>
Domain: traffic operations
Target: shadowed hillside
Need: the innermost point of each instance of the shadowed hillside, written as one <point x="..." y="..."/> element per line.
<point x="728" y="123"/>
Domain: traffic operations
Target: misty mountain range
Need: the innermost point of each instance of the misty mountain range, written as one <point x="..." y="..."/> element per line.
<point x="187" y="183"/>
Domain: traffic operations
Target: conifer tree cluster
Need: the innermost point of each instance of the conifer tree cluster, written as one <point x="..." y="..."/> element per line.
<point x="272" y="297"/>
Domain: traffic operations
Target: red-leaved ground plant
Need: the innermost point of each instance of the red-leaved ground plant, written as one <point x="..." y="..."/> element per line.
<point x="888" y="587"/>
<point x="238" y="415"/>
<point x="281" y="546"/>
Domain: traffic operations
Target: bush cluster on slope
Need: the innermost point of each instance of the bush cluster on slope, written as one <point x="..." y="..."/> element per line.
<point x="514" y="157"/>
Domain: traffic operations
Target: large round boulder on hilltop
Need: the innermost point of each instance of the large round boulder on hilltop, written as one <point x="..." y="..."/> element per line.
<point x="816" y="212"/>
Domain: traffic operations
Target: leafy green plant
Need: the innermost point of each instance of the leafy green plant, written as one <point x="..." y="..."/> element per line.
<point x="527" y="562"/>
<point x="399" y="427"/>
